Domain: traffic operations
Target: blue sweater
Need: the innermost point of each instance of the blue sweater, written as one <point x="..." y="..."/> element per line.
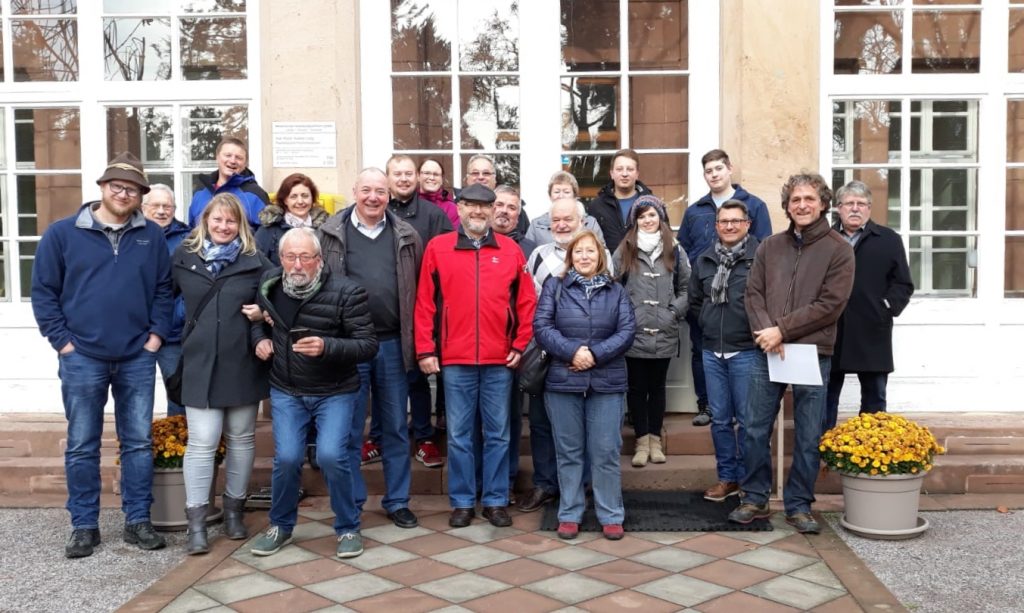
<point x="175" y="233"/>
<point x="242" y="185"/>
<point x="697" y="232"/>
<point x="106" y="300"/>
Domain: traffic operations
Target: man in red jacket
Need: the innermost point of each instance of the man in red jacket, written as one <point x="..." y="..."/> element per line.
<point x="474" y="314"/>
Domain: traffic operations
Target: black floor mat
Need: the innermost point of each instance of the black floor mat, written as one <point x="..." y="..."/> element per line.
<point x="658" y="511"/>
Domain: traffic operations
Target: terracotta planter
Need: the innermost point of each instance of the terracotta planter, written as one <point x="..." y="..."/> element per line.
<point x="168" y="510"/>
<point x="883" y="507"/>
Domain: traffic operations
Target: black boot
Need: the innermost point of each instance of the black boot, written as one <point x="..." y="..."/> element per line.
<point x="197" y="542"/>
<point x="234" y="526"/>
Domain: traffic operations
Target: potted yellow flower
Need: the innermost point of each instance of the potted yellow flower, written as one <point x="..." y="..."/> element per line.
<point x="170" y="438"/>
<point x="882" y="459"/>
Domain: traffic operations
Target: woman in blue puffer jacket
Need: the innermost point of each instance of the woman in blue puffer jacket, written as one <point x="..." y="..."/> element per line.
<point x="585" y="321"/>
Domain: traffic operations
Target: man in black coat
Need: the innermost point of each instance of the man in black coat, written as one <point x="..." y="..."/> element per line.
<point x="882" y="287"/>
<point x="611" y="205"/>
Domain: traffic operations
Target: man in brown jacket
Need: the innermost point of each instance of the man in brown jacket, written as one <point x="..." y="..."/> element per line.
<point x="798" y="287"/>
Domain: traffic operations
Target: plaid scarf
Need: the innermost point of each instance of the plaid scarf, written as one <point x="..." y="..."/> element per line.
<point x="727" y="259"/>
<point x="590" y="285"/>
<point x="218" y="256"/>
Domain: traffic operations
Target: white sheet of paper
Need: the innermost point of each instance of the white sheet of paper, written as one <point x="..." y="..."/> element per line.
<point x="799" y="368"/>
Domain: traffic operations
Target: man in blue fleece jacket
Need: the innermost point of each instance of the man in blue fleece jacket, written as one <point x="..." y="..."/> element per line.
<point x="101" y="294"/>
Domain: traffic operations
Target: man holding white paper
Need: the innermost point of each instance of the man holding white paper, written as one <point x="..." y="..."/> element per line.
<point x="798" y="287"/>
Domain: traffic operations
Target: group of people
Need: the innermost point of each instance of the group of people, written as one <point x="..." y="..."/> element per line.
<point x="326" y="314"/>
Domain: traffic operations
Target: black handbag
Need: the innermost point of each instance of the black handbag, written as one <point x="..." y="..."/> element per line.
<point x="534" y="364"/>
<point x="173" y="383"/>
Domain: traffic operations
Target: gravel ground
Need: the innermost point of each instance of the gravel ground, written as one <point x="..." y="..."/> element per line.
<point x="966" y="561"/>
<point x="35" y="575"/>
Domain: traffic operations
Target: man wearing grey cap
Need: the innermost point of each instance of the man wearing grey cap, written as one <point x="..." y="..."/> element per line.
<point x="474" y="315"/>
<point x="101" y="294"/>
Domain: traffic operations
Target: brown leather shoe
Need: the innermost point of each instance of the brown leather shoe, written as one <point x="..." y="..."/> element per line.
<point x="535" y="500"/>
<point x="722" y="490"/>
<point x="498" y="516"/>
<point x="460" y="518"/>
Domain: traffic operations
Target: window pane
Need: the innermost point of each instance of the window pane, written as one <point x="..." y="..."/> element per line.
<point x="213" y="6"/>
<point x="936" y="134"/>
<point x="590" y="116"/>
<point x="137" y="49"/>
<point x="155" y="7"/>
<point x="866" y="2"/>
<point x="1014" y="271"/>
<point x="421" y="112"/>
<point x="43" y="199"/>
<point x="665" y="174"/>
<point x="590" y="35"/>
<point x="943" y="266"/>
<point x="1015" y="198"/>
<point x="943" y="199"/>
<point x="506" y="165"/>
<point x="5" y="275"/>
<point x="659" y="112"/>
<point x="28" y="254"/>
<point x="204" y="126"/>
<point x="3" y="77"/>
<point x="490" y="112"/>
<point x="862" y="131"/>
<point x="421" y="35"/>
<point x="946" y="41"/>
<point x="145" y="131"/>
<point x="1016" y="43"/>
<point x="47" y="139"/>
<point x="1015" y="131"/>
<point x="44" y="7"/>
<point x="488" y="35"/>
<point x="3" y="139"/>
<point x="884" y="184"/>
<point x="213" y="48"/>
<point x="45" y="49"/>
<point x="658" y="35"/>
<point x="868" y="43"/>
<point x="591" y="172"/>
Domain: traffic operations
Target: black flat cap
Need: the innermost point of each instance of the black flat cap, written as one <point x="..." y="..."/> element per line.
<point x="477" y="193"/>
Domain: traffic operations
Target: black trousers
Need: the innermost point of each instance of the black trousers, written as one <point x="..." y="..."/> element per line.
<point x="646" y="395"/>
<point x="872" y="394"/>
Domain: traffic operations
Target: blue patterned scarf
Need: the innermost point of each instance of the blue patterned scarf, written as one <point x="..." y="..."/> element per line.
<point x="590" y="285"/>
<point x="218" y="256"/>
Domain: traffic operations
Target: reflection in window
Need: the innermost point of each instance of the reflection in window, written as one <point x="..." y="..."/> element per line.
<point x="213" y="6"/>
<point x="659" y="112"/>
<point x="47" y="138"/>
<point x="203" y="127"/>
<point x="43" y="199"/>
<point x="489" y="35"/>
<point x="44" y="7"/>
<point x="658" y="31"/>
<point x="421" y="112"/>
<point x="507" y="167"/>
<point x="868" y="42"/>
<point x="590" y="113"/>
<point x="865" y="131"/>
<point x="213" y="48"/>
<point x="947" y="41"/>
<point x="421" y="35"/>
<point x="490" y="112"/>
<point x="137" y="49"/>
<point x="1014" y="273"/>
<point x="590" y="35"/>
<point x="45" y="49"/>
<point x="1016" y="42"/>
<point x="144" y="131"/>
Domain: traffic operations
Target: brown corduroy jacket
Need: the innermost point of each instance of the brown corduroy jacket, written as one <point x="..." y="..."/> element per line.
<point x="801" y="284"/>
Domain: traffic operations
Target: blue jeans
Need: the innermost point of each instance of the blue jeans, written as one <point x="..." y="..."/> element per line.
<point x="515" y="432"/>
<point x="763" y="398"/>
<point x="167" y="360"/>
<point x="727" y="398"/>
<point x="700" y="386"/>
<point x="542" y="447"/>
<point x="84" y="382"/>
<point x="419" y="407"/>
<point x="872" y="394"/>
<point x="588" y="425"/>
<point x="473" y="392"/>
<point x="386" y="377"/>
<point x="293" y="416"/>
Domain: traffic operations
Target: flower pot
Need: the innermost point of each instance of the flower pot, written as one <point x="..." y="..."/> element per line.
<point x="168" y="510"/>
<point x="883" y="507"/>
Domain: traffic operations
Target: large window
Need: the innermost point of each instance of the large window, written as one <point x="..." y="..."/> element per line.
<point x="82" y="81"/>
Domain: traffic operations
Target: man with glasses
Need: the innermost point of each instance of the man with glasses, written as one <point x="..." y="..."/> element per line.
<point x="474" y="316"/>
<point x="158" y="206"/>
<point x="322" y="330"/>
<point x="101" y="294"/>
<point x="697" y="233"/>
<point x="373" y="247"/>
<point x="882" y="288"/>
<point x="717" y="285"/>
<point x="481" y="169"/>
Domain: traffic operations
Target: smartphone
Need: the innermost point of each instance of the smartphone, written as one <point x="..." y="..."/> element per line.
<point x="297" y="334"/>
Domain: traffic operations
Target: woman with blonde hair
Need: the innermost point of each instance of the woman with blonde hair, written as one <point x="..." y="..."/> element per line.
<point x="216" y="269"/>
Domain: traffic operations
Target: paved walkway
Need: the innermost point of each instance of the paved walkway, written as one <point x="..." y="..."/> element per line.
<point x="482" y="568"/>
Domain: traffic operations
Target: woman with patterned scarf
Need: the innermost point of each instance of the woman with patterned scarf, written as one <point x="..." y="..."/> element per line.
<point x="217" y="269"/>
<point x="655" y="272"/>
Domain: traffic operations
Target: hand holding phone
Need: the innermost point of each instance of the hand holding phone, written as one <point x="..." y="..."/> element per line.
<point x="297" y="334"/>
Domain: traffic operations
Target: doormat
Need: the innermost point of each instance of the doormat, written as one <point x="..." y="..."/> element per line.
<point x="658" y="511"/>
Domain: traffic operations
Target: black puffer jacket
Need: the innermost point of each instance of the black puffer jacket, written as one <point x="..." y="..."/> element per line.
<point x="339" y="314"/>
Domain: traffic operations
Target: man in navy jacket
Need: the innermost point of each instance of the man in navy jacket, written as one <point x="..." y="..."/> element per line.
<point x="101" y="294"/>
<point x="697" y="233"/>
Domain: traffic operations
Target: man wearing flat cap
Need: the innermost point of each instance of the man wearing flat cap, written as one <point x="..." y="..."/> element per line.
<point x="101" y="294"/>
<point x="474" y="317"/>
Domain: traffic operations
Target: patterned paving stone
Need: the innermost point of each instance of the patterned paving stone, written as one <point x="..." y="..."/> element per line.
<point x="628" y="600"/>
<point x="761" y="538"/>
<point x="672" y="559"/>
<point x="819" y="573"/>
<point x="528" y="544"/>
<point x="225" y="570"/>
<point x="474" y="557"/>
<point x="483" y="532"/>
<point x="796" y="543"/>
<point x="682" y="590"/>
<point x="313" y="571"/>
<point x="316" y="515"/>
<point x="794" y="592"/>
<point x="294" y="601"/>
<point x="191" y="600"/>
<point x="385" y="555"/>
<point x="846" y="604"/>
<point x="738" y="601"/>
<point x="311" y="530"/>
<point x="288" y="555"/>
<point x="405" y="600"/>
<point x="624" y="573"/>
<point x="730" y="574"/>
<point x="353" y="587"/>
<point x="774" y="560"/>
<point x="571" y="588"/>
<point x="666" y="538"/>
<point x="417" y="571"/>
<point x="243" y="588"/>
<point x="516" y="599"/>
<point x="716" y="545"/>
<point x="460" y="588"/>
<point x="431" y="544"/>
<point x="391" y="533"/>
<point x="628" y="546"/>
<point x="573" y="558"/>
<point x="521" y="571"/>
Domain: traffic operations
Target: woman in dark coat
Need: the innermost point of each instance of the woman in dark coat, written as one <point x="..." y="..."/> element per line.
<point x="655" y="272"/>
<point x="585" y="321"/>
<point x="222" y="379"/>
<point x="295" y="206"/>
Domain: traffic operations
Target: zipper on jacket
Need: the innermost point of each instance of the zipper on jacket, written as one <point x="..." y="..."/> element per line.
<point x="478" y="305"/>
<point x="792" y="282"/>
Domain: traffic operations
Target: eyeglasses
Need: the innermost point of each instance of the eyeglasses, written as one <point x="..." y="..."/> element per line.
<point x="484" y="173"/>
<point x="424" y="173"/>
<point x="478" y="205"/>
<point x="157" y="206"/>
<point x="854" y="205"/>
<point x="725" y="223"/>
<point x="305" y="258"/>
<point x="117" y="188"/>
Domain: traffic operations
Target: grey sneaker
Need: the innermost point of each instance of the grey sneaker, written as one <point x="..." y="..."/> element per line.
<point x="703" y="416"/>
<point x="748" y="512"/>
<point x="804" y="523"/>
<point x="144" y="535"/>
<point x="270" y="542"/>
<point x="350" y="545"/>
<point x="82" y="543"/>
